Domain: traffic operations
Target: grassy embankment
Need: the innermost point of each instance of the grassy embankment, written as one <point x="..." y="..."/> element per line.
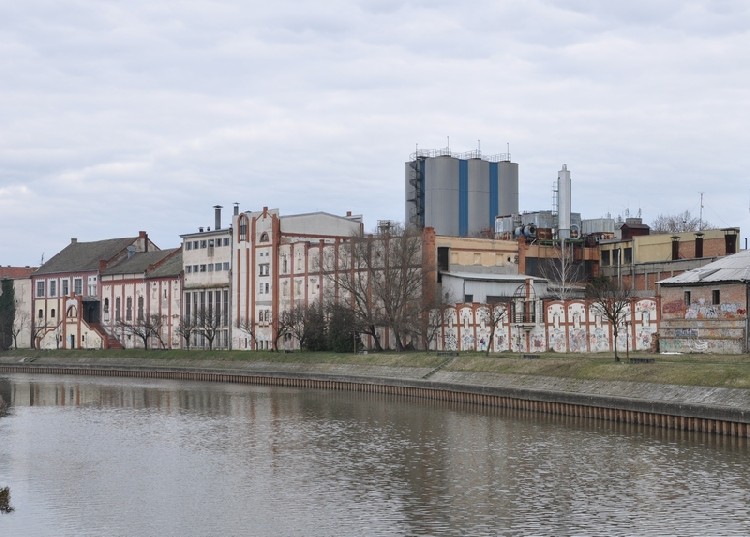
<point x="731" y="371"/>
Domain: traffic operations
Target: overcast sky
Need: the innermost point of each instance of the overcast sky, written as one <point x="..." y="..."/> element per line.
<point x="140" y="115"/>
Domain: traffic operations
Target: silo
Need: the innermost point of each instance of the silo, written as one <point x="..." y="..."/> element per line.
<point x="507" y="191"/>
<point x="474" y="217"/>
<point x="563" y="192"/>
<point x="459" y="194"/>
<point x="442" y="195"/>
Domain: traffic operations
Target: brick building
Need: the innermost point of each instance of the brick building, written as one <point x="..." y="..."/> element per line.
<point x="705" y="309"/>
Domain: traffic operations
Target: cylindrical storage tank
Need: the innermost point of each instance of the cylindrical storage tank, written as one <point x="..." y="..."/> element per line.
<point x="441" y="195"/>
<point x="478" y="194"/>
<point x="563" y="210"/>
<point x="507" y="191"/>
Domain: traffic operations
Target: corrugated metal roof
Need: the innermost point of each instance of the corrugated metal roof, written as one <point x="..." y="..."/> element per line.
<point x="493" y="277"/>
<point x="732" y="268"/>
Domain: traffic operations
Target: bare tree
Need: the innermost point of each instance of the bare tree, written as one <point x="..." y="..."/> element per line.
<point x="285" y="324"/>
<point x="677" y="223"/>
<point x="612" y="301"/>
<point x="393" y="264"/>
<point x="21" y="323"/>
<point x="186" y="328"/>
<point x="248" y="326"/>
<point x="492" y="315"/>
<point x="562" y="270"/>
<point x="209" y="322"/>
<point x="348" y="272"/>
<point x="145" y="328"/>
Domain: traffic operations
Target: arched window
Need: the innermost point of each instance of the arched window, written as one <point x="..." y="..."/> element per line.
<point x="52" y="313"/>
<point x="263" y="237"/>
<point x="106" y="305"/>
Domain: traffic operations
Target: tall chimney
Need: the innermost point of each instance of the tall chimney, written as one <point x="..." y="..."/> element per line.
<point x="236" y="208"/>
<point x="73" y="240"/>
<point x="563" y="203"/>
<point x="217" y="217"/>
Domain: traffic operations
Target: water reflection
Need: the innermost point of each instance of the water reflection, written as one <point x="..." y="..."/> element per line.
<point x="139" y="457"/>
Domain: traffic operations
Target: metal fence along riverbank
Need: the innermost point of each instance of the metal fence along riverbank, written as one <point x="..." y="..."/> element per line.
<point x="730" y="420"/>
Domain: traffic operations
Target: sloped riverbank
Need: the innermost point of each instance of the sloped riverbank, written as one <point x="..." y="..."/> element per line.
<point x="719" y="410"/>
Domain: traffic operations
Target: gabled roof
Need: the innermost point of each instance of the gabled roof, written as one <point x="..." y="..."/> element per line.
<point x="85" y="256"/>
<point x="732" y="268"/>
<point x="172" y="266"/>
<point x="139" y="262"/>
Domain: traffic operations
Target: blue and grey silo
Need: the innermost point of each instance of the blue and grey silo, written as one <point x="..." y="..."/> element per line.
<point x="460" y="194"/>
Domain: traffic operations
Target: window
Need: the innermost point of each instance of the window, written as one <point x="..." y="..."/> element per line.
<point x="243" y="228"/>
<point x="226" y="241"/>
<point x="210" y="267"/>
<point x="210" y="243"/>
<point x="264" y="269"/>
<point x="53" y="288"/>
<point x="140" y="308"/>
<point x="39" y="289"/>
<point x="188" y="245"/>
<point x="52" y="313"/>
<point x="78" y="286"/>
<point x="195" y="245"/>
<point x="195" y="268"/>
<point x="263" y="237"/>
<point x="203" y="268"/>
<point x="468" y="298"/>
<point x="266" y="288"/>
<point x="605" y="258"/>
<point x="189" y="269"/>
<point x="65" y="283"/>
<point x="41" y="313"/>
<point x="716" y="296"/>
<point x="203" y="243"/>
<point x="217" y="267"/>
<point x="260" y="288"/>
<point x="628" y="256"/>
<point x="226" y="265"/>
<point x="106" y="305"/>
<point x="687" y="298"/>
<point x="129" y="309"/>
<point x="117" y="308"/>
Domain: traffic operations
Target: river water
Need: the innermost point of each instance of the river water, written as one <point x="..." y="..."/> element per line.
<point x="90" y="456"/>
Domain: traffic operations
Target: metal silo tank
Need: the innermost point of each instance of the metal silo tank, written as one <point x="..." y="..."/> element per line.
<point x="507" y="192"/>
<point x="478" y="194"/>
<point x="441" y="195"/>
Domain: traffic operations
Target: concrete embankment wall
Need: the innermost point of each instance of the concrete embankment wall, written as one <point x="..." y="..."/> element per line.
<point x="722" y="411"/>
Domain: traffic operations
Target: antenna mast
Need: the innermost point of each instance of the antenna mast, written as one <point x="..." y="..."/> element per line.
<point x="700" y="217"/>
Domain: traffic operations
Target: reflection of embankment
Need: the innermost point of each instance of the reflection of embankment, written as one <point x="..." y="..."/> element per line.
<point x="721" y="411"/>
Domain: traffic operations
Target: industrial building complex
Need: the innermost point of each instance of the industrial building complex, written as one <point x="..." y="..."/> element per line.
<point x="465" y="271"/>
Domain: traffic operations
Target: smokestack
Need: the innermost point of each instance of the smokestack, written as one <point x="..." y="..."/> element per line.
<point x="563" y="203"/>
<point x="217" y="217"/>
<point x="236" y="208"/>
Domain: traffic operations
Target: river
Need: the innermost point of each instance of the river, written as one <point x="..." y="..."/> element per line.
<point x="90" y="456"/>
